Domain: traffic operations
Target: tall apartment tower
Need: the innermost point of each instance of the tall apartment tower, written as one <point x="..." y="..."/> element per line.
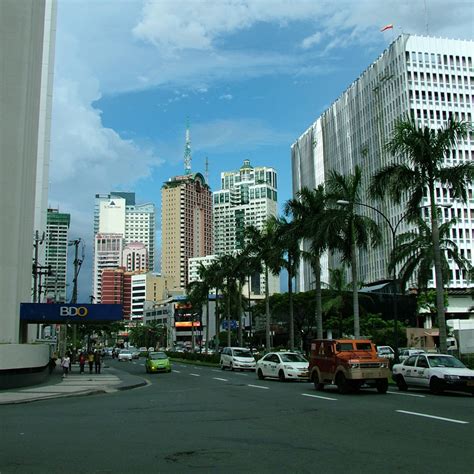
<point x="427" y="79"/>
<point x="248" y="196"/>
<point x="186" y="219"/>
<point x="57" y="228"/>
<point x="117" y="214"/>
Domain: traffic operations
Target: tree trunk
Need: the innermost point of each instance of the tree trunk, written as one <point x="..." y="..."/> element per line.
<point x="239" y="309"/>
<point x="217" y="325"/>
<point x="290" y="300"/>
<point x="207" y="324"/>
<point x="318" y="294"/>
<point x="267" y="313"/>
<point x="438" y="273"/>
<point x="355" y="290"/>
<point x="229" y="340"/>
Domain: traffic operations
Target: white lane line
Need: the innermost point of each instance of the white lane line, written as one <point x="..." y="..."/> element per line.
<point x="196" y="367"/>
<point x="318" y="396"/>
<point x="218" y="378"/>
<point x="177" y="371"/>
<point x="215" y="370"/>
<point x="195" y="375"/>
<point x="257" y="386"/>
<point x="238" y="373"/>
<point x="407" y="394"/>
<point x="432" y="416"/>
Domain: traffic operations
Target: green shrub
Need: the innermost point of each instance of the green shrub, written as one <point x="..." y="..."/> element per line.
<point x="195" y="356"/>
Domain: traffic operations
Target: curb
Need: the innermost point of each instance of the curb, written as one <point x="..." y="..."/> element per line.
<point x="84" y="393"/>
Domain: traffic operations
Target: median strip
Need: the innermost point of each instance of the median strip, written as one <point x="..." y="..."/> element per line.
<point x="433" y="416"/>
<point x="318" y="396"/>
<point x="257" y="386"/>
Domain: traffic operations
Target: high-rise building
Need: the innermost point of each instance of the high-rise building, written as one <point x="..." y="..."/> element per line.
<point x="27" y="29"/>
<point x="186" y="219"/>
<point x="108" y="250"/>
<point x="117" y="214"/>
<point x="427" y="79"/>
<point x="248" y="196"/>
<point x="57" y="229"/>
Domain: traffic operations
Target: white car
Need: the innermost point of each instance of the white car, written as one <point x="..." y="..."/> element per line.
<point x="125" y="354"/>
<point x="237" y="358"/>
<point x="438" y="372"/>
<point x="403" y="354"/>
<point x="386" y="352"/>
<point x="284" y="366"/>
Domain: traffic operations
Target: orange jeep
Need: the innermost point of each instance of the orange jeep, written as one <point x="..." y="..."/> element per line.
<point x="348" y="363"/>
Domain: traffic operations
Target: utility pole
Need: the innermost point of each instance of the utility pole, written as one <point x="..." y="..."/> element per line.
<point x="37" y="242"/>
<point x="77" y="268"/>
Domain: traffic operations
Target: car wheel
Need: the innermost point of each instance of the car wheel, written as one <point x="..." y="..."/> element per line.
<point x="260" y="374"/>
<point x="231" y="367"/>
<point x="317" y="384"/>
<point x="382" y="385"/>
<point x="401" y="384"/>
<point x="436" y="386"/>
<point x="341" y="382"/>
<point x="281" y="376"/>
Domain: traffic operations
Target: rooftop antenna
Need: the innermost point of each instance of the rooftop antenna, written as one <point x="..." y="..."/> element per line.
<point x="206" y="174"/>
<point x="187" y="150"/>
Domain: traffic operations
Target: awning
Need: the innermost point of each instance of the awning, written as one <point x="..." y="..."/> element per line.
<point x="434" y="333"/>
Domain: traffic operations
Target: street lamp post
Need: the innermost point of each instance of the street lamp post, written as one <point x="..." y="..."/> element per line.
<point x="393" y="229"/>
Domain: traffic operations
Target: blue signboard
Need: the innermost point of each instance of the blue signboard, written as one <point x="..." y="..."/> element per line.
<point x="233" y="324"/>
<point x="70" y="313"/>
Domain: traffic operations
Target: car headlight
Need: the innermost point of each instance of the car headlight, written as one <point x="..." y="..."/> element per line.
<point x="288" y="367"/>
<point x="452" y="377"/>
<point x="355" y="366"/>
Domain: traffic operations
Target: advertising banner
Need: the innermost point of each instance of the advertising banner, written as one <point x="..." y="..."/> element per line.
<point x="70" y="313"/>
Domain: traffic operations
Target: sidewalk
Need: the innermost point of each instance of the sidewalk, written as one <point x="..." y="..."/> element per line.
<point x="74" y="385"/>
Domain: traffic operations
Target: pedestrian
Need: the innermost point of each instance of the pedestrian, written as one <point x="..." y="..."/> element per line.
<point x="82" y="362"/>
<point x="65" y="363"/>
<point x="90" y="360"/>
<point x="97" y="360"/>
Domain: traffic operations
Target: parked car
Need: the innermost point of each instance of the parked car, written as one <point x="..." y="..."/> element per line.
<point x="237" y="358"/>
<point x="386" y="352"/>
<point x="283" y="365"/>
<point x="348" y="363"/>
<point x="403" y="354"/>
<point x="143" y="350"/>
<point x="157" y="362"/>
<point x="438" y="372"/>
<point x="124" y="354"/>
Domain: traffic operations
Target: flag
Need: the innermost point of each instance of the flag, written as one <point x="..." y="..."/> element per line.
<point x="387" y="27"/>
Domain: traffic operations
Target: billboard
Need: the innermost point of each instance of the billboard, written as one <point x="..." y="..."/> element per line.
<point x="70" y="313"/>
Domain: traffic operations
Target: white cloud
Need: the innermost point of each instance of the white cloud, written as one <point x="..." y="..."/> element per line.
<point x="226" y="97"/>
<point x="311" y="40"/>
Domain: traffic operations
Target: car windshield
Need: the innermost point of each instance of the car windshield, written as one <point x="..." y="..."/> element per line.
<point x="124" y="352"/>
<point x="363" y="346"/>
<point x="292" y="358"/>
<point x="158" y="355"/>
<point x="243" y="353"/>
<point x="344" y="346"/>
<point x="445" y="361"/>
<point x="384" y="350"/>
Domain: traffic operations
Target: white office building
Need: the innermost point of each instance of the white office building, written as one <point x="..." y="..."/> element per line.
<point x="248" y="196"/>
<point x="428" y="79"/>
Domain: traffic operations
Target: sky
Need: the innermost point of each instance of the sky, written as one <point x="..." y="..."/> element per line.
<point x="250" y="75"/>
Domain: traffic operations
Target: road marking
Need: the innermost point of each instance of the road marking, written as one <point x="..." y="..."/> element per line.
<point x="407" y="394"/>
<point x="215" y="370"/>
<point x="196" y="367"/>
<point x="223" y="380"/>
<point x="239" y="373"/>
<point x="318" y="396"/>
<point x="257" y="386"/>
<point x="195" y="375"/>
<point x="432" y="416"/>
<point x="177" y="371"/>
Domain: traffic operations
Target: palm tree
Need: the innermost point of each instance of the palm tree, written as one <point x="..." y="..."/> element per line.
<point x="414" y="251"/>
<point x="261" y="245"/>
<point x="206" y="275"/>
<point x="347" y="229"/>
<point x="290" y="255"/>
<point x="308" y="210"/>
<point x="425" y="150"/>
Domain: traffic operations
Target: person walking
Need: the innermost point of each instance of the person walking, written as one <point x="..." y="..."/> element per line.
<point x="90" y="360"/>
<point x="65" y="363"/>
<point x="82" y="362"/>
<point x="97" y="361"/>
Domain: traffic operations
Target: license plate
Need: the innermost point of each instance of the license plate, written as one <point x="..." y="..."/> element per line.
<point x="470" y="383"/>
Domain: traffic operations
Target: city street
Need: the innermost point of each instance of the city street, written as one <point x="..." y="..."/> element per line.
<point x="204" y="419"/>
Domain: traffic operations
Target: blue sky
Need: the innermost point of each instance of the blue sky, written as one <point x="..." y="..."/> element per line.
<point x="251" y="75"/>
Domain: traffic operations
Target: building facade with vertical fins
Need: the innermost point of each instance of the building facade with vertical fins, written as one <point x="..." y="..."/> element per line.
<point x="57" y="239"/>
<point x="424" y="78"/>
<point x="187" y="228"/>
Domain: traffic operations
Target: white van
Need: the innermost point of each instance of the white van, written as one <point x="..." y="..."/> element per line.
<point x="237" y="358"/>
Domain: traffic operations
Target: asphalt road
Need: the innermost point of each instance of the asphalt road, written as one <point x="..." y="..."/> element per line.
<point x="200" y="419"/>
